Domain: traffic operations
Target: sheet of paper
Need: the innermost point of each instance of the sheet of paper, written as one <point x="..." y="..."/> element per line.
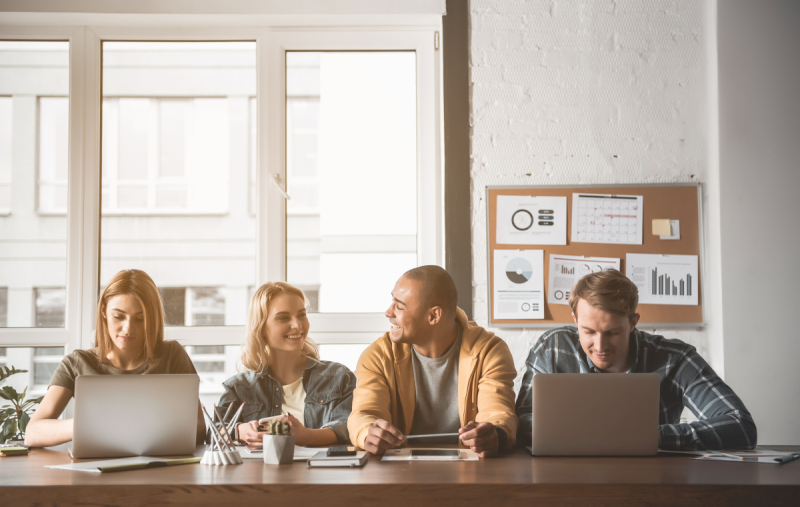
<point x="675" y="230"/>
<point x="518" y="284"/>
<point x="566" y="270"/>
<point x="747" y="459"/>
<point x="405" y="455"/>
<point x="531" y="220"/>
<point x="757" y="452"/>
<point x="606" y="218"/>
<point x="663" y="279"/>
<point x="300" y="453"/>
<point x="91" y="466"/>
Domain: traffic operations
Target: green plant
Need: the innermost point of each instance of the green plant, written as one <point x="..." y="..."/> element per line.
<point x="14" y="418"/>
<point x="278" y="428"/>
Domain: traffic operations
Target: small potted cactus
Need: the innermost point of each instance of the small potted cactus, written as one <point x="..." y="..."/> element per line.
<point x="278" y="442"/>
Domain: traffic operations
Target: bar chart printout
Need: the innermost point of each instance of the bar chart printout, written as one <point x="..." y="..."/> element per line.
<point x="664" y="279"/>
<point x="566" y="270"/>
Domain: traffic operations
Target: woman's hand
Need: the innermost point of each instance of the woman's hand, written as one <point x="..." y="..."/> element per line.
<point x="249" y="434"/>
<point x="302" y="435"/>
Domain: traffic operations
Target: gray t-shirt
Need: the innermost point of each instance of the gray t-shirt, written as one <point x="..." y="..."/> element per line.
<point x="436" y="387"/>
<point x="170" y="357"/>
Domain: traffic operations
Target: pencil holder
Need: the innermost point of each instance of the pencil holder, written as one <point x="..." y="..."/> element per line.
<point x="221" y="452"/>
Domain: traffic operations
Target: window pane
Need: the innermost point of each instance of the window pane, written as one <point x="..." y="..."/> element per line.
<point x="53" y="158"/>
<point x="34" y="113"/>
<point x="43" y="372"/>
<point x="176" y="162"/>
<point x="5" y="153"/>
<point x="351" y="172"/>
<point x="50" y="303"/>
<point x="345" y="354"/>
<point x="39" y="363"/>
<point x="135" y="116"/>
<point x="3" y="307"/>
<point x="49" y="351"/>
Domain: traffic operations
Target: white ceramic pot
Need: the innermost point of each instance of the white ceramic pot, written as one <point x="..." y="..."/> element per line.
<point x="278" y="449"/>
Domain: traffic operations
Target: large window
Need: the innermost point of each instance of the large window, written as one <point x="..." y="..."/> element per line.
<point x="175" y="161"/>
<point x="34" y="85"/>
<point x="351" y="174"/>
<point x="175" y="157"/>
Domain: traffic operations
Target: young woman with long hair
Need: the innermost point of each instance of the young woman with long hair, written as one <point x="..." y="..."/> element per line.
<point x="284" y="376"/>
<point x="129" y="339"/>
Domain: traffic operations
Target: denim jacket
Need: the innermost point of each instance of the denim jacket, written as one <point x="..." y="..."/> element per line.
<point x="329" y="396"/>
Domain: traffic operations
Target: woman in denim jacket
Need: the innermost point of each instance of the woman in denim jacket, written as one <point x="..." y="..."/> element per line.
<point x="284" y="376"/>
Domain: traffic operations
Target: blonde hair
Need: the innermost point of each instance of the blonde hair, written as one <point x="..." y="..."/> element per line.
<point x="136" y="283"/>
<point x="609" y="290"/>
<point x="255" y="355"/>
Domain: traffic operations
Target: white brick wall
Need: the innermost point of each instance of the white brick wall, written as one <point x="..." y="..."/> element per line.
<point x="583" y="92"/>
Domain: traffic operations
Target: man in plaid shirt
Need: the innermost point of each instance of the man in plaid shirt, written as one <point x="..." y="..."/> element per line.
<point x="606" y="340"/>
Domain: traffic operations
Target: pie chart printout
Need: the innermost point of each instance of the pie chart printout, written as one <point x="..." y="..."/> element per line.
<point x="518" y="284"/>
<point x="519" y="270"/>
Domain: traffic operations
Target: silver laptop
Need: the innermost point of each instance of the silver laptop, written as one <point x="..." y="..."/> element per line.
<point x="135" y="415"/>
<point x="599" y="414"/>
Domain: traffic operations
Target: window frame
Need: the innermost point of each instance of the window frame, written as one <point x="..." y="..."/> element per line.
<point x="84" y="171"/>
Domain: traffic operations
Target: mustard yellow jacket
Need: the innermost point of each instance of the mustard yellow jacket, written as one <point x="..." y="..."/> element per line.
<point x="385" y="388"/>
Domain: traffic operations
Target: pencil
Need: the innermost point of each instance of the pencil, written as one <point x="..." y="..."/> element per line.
<point x="220" y="440"/>
<point x="235" y="418"/>
<point x="726" y="454"/>
<point x="228" y="412"/>
<point x="222" y="424"/>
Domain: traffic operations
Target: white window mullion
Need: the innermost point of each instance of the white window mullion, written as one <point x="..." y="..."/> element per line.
<point x="430" y="186"/>
<point x="84" y="223"/>
<point x="271" y="157"/>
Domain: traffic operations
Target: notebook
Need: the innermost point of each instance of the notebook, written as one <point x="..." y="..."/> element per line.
<point x="135" y="415"/>
<point x="321" y="459"/>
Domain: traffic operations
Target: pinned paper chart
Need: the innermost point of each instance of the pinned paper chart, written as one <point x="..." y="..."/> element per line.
<point x="605" y="218"/>
<point x="566" y="270"/>
<point x="663" y="279"/>
<point x="518" y="284"/>
<point x="531" y="220"/>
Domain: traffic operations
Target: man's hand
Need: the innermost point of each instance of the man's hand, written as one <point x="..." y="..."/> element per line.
<point x="381" y="436"/>
<point x="481" y="438"/>
<point x="249" y="434"/>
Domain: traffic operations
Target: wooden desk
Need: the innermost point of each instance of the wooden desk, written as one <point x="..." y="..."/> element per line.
<point x="510" y="480"/>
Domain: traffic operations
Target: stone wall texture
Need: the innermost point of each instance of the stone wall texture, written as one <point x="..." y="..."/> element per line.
<point x="583" y="92"/>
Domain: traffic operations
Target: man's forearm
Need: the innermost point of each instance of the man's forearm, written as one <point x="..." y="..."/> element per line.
<point x="730" y="431"/>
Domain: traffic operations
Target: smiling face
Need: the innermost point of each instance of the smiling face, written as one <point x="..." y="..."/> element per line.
<point x="287" y="323"/>
<point x="605" y="337"/>
<point x="124" y="317"/>
<point x="408" y="319"/>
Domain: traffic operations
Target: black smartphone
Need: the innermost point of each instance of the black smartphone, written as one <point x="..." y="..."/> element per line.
<point x="342" y="450"/>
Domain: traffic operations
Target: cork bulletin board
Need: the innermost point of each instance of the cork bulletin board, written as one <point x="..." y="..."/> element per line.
<point x="675" y="202"/>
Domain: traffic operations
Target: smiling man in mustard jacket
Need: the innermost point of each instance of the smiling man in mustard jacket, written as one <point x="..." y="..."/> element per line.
<point x="434" y="372"/>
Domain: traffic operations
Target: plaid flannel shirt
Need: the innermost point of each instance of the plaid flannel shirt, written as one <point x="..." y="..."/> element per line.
<point x="686" y="379"/>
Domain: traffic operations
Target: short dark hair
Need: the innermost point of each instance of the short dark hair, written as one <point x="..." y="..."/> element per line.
<point x="438" y="287"/>
<point x="609" y="290"/>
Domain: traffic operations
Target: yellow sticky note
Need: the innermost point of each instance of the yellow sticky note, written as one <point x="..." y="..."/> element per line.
<point x="661" y="227"/>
